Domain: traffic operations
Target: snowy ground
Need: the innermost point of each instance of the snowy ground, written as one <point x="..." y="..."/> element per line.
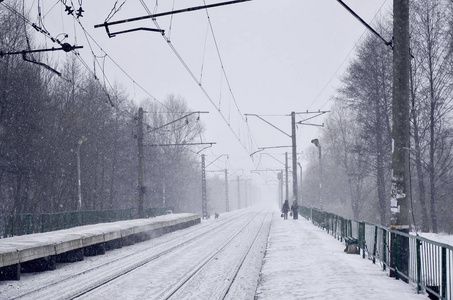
<point x="304" y="262"/>
<point x="212" y="251"/>
<point x="301" y="262"/>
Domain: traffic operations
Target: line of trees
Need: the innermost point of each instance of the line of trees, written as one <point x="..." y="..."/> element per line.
<point x="43" y="117"/>
<point x="357" y="141"/>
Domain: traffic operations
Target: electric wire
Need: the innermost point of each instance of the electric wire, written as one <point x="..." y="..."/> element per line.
<point x="47" y="34"/>
<point x="36" y="27"/>
<point x="89" y="37"/>
<point x="41" y="30"/>
<point x="102" y="67"/>
<point x="221" y="62"/>
<point x="172" y="47"/>
<point x="344" y="61"/>
<point x="204" y="55"/>
<point x="114" y="10"/>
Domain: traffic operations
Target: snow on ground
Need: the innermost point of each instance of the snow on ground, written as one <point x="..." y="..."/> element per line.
<point x="301" y="262"/>
<point x="438" y="237"/>
<point x="304" y="262"/>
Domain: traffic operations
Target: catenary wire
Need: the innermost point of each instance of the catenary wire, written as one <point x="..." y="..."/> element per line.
<point x="172" y="47"/>
<point x="344" y="61"/>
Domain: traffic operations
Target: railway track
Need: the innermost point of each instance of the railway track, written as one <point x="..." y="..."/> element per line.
<point x="219" y="287"/>
<point x="87" y="281"/>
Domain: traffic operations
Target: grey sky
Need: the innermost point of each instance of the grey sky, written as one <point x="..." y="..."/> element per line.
<point x="278" y="56"/>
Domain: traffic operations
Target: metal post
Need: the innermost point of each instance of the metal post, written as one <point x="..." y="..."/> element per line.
<point x="246" y="204"/>
<point x="280" y="188"/>
<point x="300" y="187"/>
<point x="204" y="198"/>
<point x="227" y="201"/>
<point x="239" y="193"/>
<point x="79" y="182"/>
<point x="320" y="178"/>
<point x="444" y="277"/>
<point x="419" y="265"/>
<point x="294" y="151"/>
<point x="286" y="176"/>
<point x="140" y="162"/>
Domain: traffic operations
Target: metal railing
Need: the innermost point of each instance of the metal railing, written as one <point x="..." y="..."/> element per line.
<point x="22" y="224"/>
<point x="430" y="264"/>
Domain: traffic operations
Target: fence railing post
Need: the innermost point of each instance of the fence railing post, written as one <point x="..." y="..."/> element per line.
<point x="375" y="243"/>
<point x="444" y="272"/>
<point x="362" y="237"/>
<point x="384" y="249"/>
<point x="419" y="267"/>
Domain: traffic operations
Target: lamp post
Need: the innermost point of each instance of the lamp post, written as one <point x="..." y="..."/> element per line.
<point x="79" y="183"/>
<point x="300" y="187"/>
<point x="318" y="145"/>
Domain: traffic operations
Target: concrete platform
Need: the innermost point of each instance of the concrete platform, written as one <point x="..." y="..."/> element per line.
<point x="41" y="251"/>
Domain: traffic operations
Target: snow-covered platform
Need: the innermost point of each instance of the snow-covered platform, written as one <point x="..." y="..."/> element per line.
<point x="42" y="251"/>
<point x="304" y="262"/>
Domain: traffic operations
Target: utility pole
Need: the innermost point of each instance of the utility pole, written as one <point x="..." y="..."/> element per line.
<point x="204" y="198"/>
<point x="286" y="176"/>
<point x="399" y="205"/>
<point x="79" y="182"/>
<point x="280" y="189"/>
<point x="247" y="192"/>
<point x="227" y="201"/>
<point x="246" y="202"/>
<point x="140" y="162"/>
<point x="239" y="193"/>
<point x="294" y="152"/>
<point x="294" y="148"/>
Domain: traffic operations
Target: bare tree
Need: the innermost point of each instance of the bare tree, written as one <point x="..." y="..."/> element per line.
<point x="172" y="162"/>
<point x="432" y="103"/>
<point x="367" y="91"/>
<point x="343" y="136"/>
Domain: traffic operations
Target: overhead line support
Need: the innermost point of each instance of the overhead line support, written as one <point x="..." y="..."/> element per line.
<point x="153" y="16"/>
<point x="387" y="43"/>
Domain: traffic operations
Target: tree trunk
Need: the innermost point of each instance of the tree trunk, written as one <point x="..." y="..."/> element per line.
<point x="380" y="169"/>
<point x="432" y="179"/>
<point x="432" y="173"/>
<point x="419" y="167"/>
<point x="114" y="162"/>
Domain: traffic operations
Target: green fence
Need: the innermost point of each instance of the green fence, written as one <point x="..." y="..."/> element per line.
<point x="12" y="225"/>
<point x="430" y="264"/>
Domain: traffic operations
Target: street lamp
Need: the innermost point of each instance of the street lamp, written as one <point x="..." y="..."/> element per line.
<point x="300" y="188"/>
<point x="318" y="145"/>
<point x="79" y="184"/>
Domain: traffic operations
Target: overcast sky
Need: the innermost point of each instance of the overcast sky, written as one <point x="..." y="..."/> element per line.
<point x="279" y="56"/>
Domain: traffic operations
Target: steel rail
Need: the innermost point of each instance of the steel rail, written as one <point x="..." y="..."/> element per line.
<point x="123" y="270"/>
<point x="193" y="273"/>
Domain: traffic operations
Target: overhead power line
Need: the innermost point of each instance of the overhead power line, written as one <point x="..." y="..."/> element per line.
<point x="173" y="12"/>
<point x="342" y="63"/>
<point x="388" y="43"/>
<point x="172" y="47"/>
<point x="89" y="38"/>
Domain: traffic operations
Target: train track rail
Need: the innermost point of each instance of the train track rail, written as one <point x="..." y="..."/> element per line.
<point x="89" y="280"/>
<point x="219" y="288"/>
